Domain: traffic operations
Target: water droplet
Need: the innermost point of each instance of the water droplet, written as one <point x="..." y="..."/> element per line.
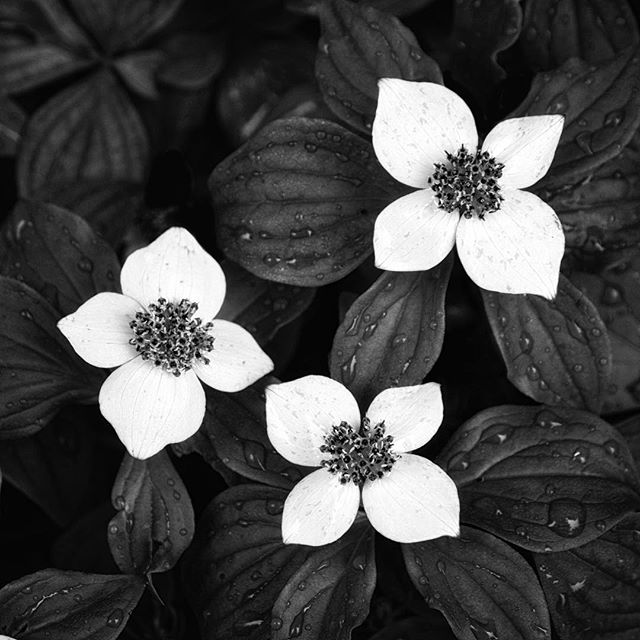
<point x="119" y="503"/>
<point x="525" y="342"/>
<point x="85" y="264"/>
<point x="271" y="260"/>
<point x="532" y="372"/>
<point x="115" y="618"/>
<point x="276" y="623"/>
<point x="611" y="295"/>
<point x="567" y="517"/>
<point x="458" y="462"/>
<point x="255" y="454"/>
<point x="559" y="104"/>
<point x="614" y="118"/>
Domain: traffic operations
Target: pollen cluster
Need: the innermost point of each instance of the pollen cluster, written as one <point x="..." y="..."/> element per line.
<point x="361" y="455"/>
<point x="169" y="335"/>
<point x="468" y="183"/>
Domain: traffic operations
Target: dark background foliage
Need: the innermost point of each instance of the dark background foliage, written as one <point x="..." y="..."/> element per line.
<point x="121" y="118"/>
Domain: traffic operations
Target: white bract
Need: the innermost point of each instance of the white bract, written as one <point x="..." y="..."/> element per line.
<point x="161" y="335"/>
<point x="508" y="240"/>
<point x="315" y="421"/>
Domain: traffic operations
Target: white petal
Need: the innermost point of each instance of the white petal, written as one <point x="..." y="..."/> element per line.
<point x="413" y="233"/>
<point x="525" y="146"/>
<point x="319" y="509"/>
<point x="301" y="412"/>
<point x="416" y="123"/>
<point x="150" y="408"/>
<point x="99" y="330"/>
<point x="515" y="250"/>
<point x="411" y="415"/>
<point x="175" y="266"/>
<point x="236" y="360"/>
<point x="415" y="501"/>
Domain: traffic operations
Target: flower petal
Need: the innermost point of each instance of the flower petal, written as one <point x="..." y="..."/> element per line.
<point x="175" y="266"/>
<point x="319" y="509"/>
<point x="411" y="415"/>
<point x="416" y="123"/>
<point x="515" y="250"/>
<point x="99" y="330"/>
<point x="415" y="501"/>
<point x="150" y="408"/>
<point x="525" y="146"/>
<point x="413" y="233"/>
<point x="236" y="360"/>
<point x="301" y="412"/>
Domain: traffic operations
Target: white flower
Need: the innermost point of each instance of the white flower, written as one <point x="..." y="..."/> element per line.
<point x="508" y="240"/>
<point x="161" y="335"/>
<point x="315" y="421"/>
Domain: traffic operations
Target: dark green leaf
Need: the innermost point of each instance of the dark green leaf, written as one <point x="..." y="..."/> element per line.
<point x="546" y="479"/>
<point x="630" y="429"/>
<point x="297" y="203"/>
<point x="67" y="604"/>
<point x="392" y="334"/>
<point x="481" y="30"/>
<point x="556" y="351"/>
<point x="594" y="591"/>
<point x="54" y="467"/>
<point x="138" y="71"/>
<point x="601" y="105"/>
<point x="234" y="432"/>
<point x="359" y="45"/>
<point x="155" y="523"/>
<point x="482" y="586"/>
<point x="88" y="131"/>
<point x="40" y="371"/>
<point x="260" y="306"/>
<point x="614" y="290"/>
<point x="12" y="119"/>
<point x="58" y="254"/>
<point x="594" y="30"/>
<point x="329" y="594"/>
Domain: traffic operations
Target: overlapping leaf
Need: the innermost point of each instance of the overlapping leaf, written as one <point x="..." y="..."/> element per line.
<point x="12" y="119"/>
<point x="556" y="352"/>
<point x="155" y="522"/>
<point x="546" y="479"/>
<point x="260" y="306"/>
<point x="359" y="45"/>
<point x="67" y="604"/>
<point x="482" y="586"/>
<point x="393" y="333"/>
<point x="57" y="254"/>
<point x="238" y="567"/>
<point x="297" y="203"/>
<point x="601" y="105"/>
<point x="594" y="591"/>
<point x="594" y="30"/>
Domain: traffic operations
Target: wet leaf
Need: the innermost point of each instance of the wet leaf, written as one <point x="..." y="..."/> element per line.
<point x="358" y="46"/>
<point x="614" y="289"/>
<point x="155" y="522"/>
<point x="481" y="30"/>
<point x="556" y="352"/>
<point x="12" y="119"/>
<point x="595" y="30"/>
<point x="482" y="586"/>
<point x="297" y="203"/>
<point x="601" y="105"/>
<point x="48" y="465"/>
<point x="58" y="254"/>
<point x="260" y="306"/>
<point x="329" y="594"/>
<point x="546" y="479"/>
<point x="392" y="334"/>
<point x="630" y="429"/>
<point x="40" y="371"/>
<point x="234" y="431"/>
<point x="594" y="591"/>
<point x="89" y="131"/>
<point x="68" y="604"/>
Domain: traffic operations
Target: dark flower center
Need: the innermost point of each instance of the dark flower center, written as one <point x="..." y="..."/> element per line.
<point x="170" y="336"/>
<point x="361" y="455"/>
<point x="468" y="183"/>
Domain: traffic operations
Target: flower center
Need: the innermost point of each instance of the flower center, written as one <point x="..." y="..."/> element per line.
<point x="170" y="336"/>
<point x="468" y="183"/>
<point x="357" y="456"/>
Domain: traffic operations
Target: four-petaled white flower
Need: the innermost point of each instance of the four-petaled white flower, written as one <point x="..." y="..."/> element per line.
<point x="315" y="421"/>
<point x="161" y="335"/>
<point x="508" y="240"/>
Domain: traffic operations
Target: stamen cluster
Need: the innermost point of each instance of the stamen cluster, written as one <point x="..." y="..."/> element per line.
<point x="468" y="182"/>
<point x="170" y="336"/>
<point x="361" y="455"/>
